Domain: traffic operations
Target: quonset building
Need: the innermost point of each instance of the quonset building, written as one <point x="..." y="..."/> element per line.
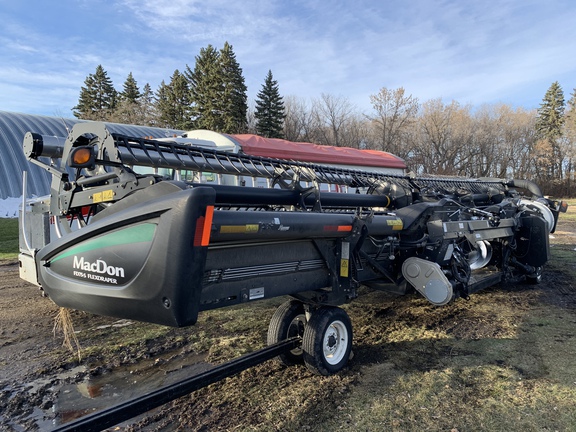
<point x="13" y="127"/>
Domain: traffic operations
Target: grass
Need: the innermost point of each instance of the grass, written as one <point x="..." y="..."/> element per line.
<point x="124" y="340"/>
<point x="8" y="238"/>
<point x="483" y="397"/>
<point x="221" y="334"/>
<point x="520" y="379"/>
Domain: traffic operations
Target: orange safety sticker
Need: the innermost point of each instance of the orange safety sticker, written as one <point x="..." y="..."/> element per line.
<point x="207" y="226"/>
<point x="341" y="228"/>
<point x="203" y="228"/>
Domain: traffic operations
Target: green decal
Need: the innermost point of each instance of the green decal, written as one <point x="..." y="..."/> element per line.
<point x="135" y="234"/>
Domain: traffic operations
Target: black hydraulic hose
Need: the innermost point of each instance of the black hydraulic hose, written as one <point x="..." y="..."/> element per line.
<point x="226" y="194"/>
<point x="528" y="185"/>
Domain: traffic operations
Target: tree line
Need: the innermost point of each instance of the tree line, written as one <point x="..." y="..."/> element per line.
<point x="433" y="137"/>
<point x="210" y="95"/>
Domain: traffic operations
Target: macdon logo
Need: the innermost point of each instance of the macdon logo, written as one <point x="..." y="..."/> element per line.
<point x="99" y="267"/>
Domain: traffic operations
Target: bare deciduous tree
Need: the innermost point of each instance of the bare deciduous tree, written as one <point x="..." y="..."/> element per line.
<point x="434" y="151"/>
<point x="395" y="112"/>
<point x="297" y="119"/>
<point x="332" y="116"/>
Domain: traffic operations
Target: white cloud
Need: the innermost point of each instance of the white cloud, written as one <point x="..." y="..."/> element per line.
<point x="200" y="21"/>
<point x="12" y="45"/>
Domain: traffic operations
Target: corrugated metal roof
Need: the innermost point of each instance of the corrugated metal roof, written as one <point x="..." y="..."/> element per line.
<point x="13" y="127"/>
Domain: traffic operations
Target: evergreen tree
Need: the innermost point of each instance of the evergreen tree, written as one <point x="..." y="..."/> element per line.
<point x="127" y="109"/>
<point x="173" y="103"/>
<point x="205" y="83"/>
<point x="234" y="98"/>
<point x="97" y="97"/>
<point x="549" y="123"/>
<point x="217" y="91"/>
<point x="551" y="113"/>
<point x="131" y="92"/>
<point x="147" y="108"/>
<point x="571" y="113"/>
<point x="147" y="95"/>
<point x="162" y="106"/>
<point x="572" y="101"/>
<point x="180" y="98"/>
<point x="138" y="111"/>
<point x="269" y="109"/>
<point x="86" y="107"/>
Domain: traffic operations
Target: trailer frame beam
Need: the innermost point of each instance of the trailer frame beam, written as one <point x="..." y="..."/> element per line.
<point x="134" y="407"/>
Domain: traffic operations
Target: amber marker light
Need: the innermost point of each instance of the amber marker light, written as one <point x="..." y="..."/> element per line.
<point x="82" y="157"/>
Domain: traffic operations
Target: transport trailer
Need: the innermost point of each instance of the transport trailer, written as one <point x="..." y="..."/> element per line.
<point x="157" y="249"/>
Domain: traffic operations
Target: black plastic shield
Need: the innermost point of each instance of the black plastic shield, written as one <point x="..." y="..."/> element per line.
<point x="533" y="246"/>
<point x="145" y="262"/>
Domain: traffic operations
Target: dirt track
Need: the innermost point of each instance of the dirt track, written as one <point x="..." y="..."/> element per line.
<point x="36" y="372"/>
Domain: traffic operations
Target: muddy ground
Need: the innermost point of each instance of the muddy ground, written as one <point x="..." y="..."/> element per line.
<point x="44" y="385"/>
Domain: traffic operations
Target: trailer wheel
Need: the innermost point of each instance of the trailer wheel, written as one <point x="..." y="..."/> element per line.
<point x="327" y="341"/>
<point x="288" y="321"/>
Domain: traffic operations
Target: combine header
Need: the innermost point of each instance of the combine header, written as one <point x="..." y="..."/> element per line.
<point x="113" y="240"/>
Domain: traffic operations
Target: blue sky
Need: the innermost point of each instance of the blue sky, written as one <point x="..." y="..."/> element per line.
<point x="474" y="52"/>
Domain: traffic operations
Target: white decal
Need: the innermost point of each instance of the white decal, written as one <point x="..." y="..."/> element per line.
<point x="100" y="267"/>
<point x="345" y="250"/>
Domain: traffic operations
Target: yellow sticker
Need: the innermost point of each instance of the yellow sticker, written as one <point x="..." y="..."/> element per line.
<point x="238" y="229"/>
<point x="107" y="195"/>
<point x="396" y="224"/>
<point x="232" y="229"/>
<point x="344" y="267"/>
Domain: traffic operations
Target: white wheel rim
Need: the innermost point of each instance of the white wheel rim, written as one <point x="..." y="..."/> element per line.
<point x="335" y="342"/>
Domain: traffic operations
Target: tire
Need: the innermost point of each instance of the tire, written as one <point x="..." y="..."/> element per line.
<point x="288" y="321"/>
<point x="327" y="341"/>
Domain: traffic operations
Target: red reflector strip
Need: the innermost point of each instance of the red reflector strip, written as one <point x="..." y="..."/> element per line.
<point x="203" y="228"/>
<point x="341" y="228"/>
